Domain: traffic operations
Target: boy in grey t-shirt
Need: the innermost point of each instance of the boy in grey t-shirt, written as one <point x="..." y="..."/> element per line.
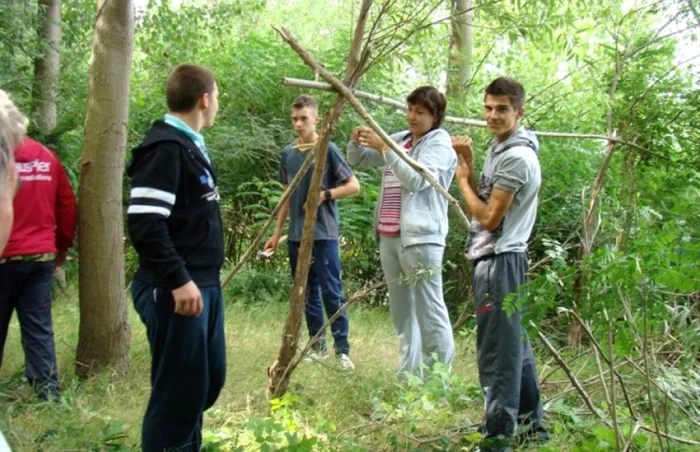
<point x="324" y="275"/>
<point x="503" y="207"/>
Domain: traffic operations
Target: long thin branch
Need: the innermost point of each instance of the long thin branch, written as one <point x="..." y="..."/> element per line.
<point x="273" y="216"/>
<point x="613" y="402"/>
<point x="599" y="349"/>
<point x="677" y="439"/>
<point x="357" y="53"/>
<point x="603" y="384"/>
<point x="646" y="367"/>
<point x="320" y="86"/>
<point x="570" y="374"/>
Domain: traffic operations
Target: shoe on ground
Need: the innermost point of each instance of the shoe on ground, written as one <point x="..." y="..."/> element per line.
<point x="346" y="363"/>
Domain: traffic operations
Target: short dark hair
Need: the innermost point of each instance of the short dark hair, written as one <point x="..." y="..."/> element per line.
<point x="432" y="99"/>
<point x="305" y="101"/>
<point x="186" y="85"/>
<point x="506" y="86"/>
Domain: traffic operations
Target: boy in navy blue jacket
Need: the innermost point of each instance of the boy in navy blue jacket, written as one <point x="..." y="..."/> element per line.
<point x="175" y="225"/>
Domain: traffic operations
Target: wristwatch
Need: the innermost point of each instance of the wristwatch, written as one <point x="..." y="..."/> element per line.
<point x="327" y="195"/>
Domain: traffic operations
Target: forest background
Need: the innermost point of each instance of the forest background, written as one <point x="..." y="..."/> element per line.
<point x="614" y="295"/>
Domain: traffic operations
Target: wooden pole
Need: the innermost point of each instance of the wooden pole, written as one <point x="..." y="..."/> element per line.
<point x="320" y="86"/>
<point x="280" y="371"/>
<point x="273" y="216"/>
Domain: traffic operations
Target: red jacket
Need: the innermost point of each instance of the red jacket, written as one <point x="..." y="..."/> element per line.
<point x="45" y="213"/>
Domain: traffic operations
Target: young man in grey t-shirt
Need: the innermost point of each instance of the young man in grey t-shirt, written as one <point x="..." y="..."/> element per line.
<point x="324" y="275"/>
<point x="502" y="205"/>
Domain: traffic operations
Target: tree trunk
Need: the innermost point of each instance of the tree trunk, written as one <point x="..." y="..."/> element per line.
<point x="104" y="335"/>
<point x="47" y="65"/>
<point x="461" y="44"/>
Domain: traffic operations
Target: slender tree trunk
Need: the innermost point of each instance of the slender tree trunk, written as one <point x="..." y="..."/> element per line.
<point x="589" y="228"/>
<point x="104" y="336"/>
<point x="47" y="65"/>
<point x="461" y="44"/>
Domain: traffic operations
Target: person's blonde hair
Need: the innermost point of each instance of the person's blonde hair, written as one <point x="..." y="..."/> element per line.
<point x="13" y="127"/>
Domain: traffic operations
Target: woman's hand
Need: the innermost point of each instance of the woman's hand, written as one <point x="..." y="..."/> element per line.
<point x="355" y="135"/>
<point x="369" y="138"/>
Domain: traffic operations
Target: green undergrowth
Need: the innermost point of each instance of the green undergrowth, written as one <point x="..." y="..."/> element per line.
<point x="325" y="409"/>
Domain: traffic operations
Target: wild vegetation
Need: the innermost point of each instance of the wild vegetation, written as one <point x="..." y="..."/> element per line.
<point x="613" y="305"/>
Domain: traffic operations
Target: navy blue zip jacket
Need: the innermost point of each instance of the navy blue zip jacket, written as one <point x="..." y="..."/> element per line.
<point x="173" y="216"/>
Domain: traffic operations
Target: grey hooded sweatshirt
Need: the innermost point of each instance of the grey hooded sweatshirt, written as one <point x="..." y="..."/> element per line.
<point x="511" y="166"/>
<point x="423" y="208"/>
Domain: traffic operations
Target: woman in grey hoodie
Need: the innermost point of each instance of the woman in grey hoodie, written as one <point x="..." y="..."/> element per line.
<point x="410" y="224"/>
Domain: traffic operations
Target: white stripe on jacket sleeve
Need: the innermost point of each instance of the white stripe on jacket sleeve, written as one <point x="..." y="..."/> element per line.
<point x="153" y="193"/>
<point x="148" y="209"/>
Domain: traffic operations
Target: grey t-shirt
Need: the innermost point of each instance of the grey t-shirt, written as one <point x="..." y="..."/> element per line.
<point x="511" y="166"/>
<point x="336" y="172"/>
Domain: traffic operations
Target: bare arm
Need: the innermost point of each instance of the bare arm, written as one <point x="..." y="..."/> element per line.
<point x="282" y="216"/>
<point x="490" y="214"/>
<point x="348" y="187"/>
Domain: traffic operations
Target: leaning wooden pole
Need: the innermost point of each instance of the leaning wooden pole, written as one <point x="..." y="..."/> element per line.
<point x="320" y="86"/>
<point x="280" y="371"/>
<point x="273" y="216"/>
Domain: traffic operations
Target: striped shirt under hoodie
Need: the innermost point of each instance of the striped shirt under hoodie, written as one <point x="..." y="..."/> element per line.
<point x="173" y="216"/>
<point x="389" y="223"/>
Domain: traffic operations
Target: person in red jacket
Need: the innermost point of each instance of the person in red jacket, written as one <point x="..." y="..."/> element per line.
<point x="43" y="230"/>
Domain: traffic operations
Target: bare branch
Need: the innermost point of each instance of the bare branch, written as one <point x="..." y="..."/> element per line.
<point x="609" y="362"/>
<point x="694" y="10"/>
<point x="279" y="372"/>
<point x="273" y="216"/>
<point x="570" y="374"/>
<point x="455" y="120"/>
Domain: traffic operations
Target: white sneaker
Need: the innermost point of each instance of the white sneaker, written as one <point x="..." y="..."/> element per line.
<point x="346" y="363"/>
<point x="313" y="357"/>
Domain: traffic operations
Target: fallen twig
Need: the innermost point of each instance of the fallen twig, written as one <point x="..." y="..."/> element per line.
<point x="570" y="374"/>
<point x="597" y="346"/>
